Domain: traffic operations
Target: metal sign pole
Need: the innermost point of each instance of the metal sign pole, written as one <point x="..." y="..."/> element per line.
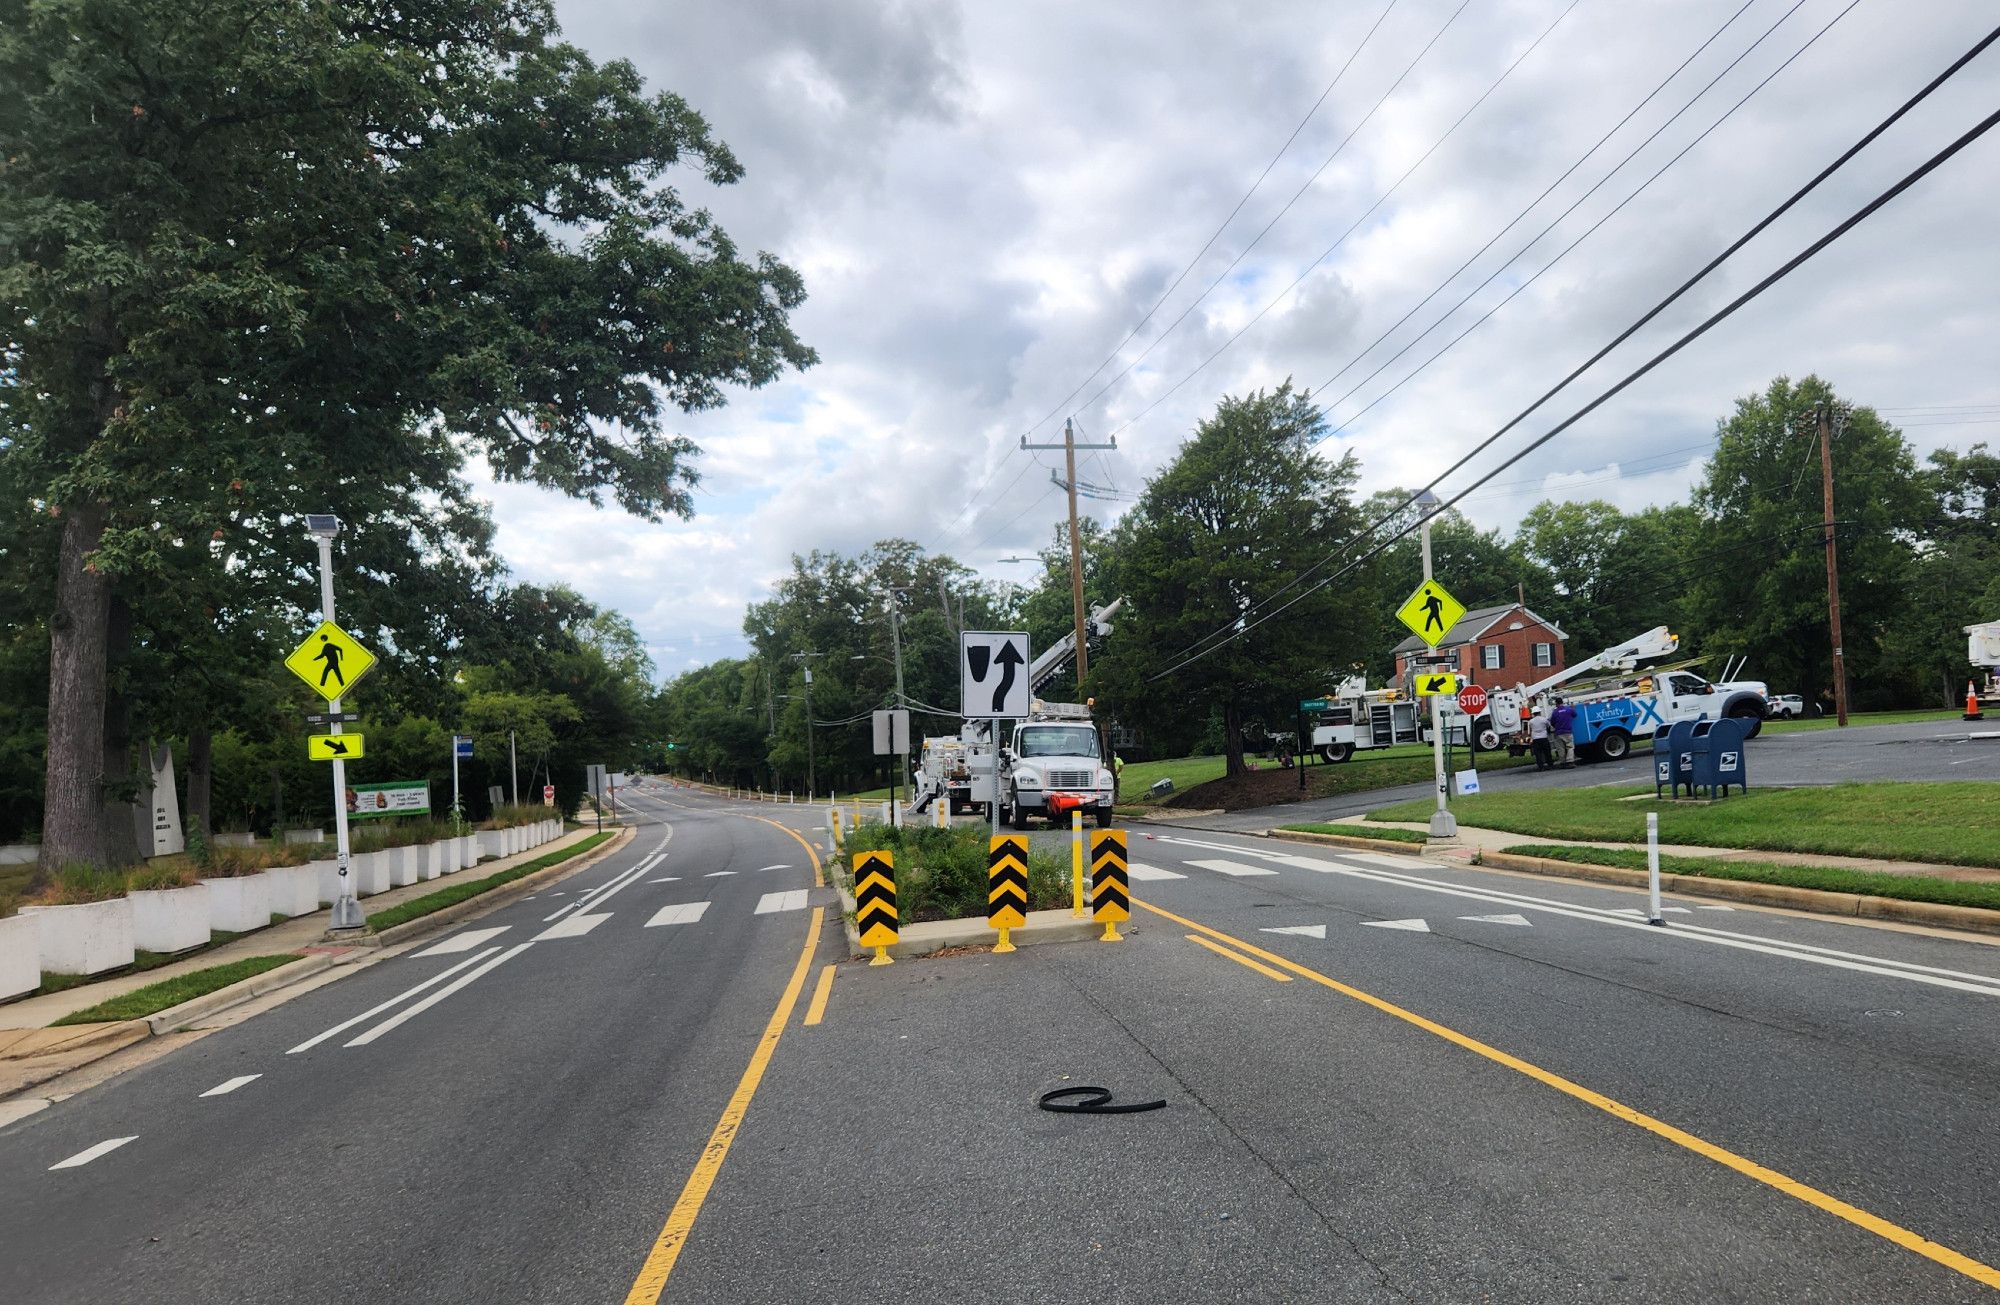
<point x="1443" y="823"/>
<point x="346" y="905"/>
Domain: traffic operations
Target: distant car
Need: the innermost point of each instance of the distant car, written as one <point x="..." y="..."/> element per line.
<point x="1786" y="706"/>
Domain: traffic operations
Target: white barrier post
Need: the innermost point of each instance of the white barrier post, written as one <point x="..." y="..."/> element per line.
<point x="1653" y="868"/>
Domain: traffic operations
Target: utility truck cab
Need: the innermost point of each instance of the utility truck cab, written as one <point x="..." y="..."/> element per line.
<point x="1054" y="765"/>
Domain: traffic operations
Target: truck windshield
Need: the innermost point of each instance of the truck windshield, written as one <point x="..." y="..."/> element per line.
<point x="1056" y="741"/>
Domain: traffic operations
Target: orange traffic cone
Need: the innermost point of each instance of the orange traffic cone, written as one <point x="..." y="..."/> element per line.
<point x="1972" y="702"/>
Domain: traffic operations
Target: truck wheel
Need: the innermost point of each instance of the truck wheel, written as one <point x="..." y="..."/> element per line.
<point x="1614" y="744"/>
<point x="1017" y="816"/>
<point x="1752" y="718"/>
<point x="1335" y="753"/>
<point x="1488" y="739"/>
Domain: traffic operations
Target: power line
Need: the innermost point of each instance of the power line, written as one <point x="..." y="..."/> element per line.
<point x="1860" y="215"/>
<point x="1221" y="227"/>
<point x="1674" y="296"/>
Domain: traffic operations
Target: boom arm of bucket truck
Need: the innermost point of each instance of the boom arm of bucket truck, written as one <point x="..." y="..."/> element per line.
<point x="1058" y="654"/>
<point x="1508" y="706"/>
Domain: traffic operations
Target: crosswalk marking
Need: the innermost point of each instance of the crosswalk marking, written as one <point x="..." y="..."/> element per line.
<point x="1305" y="863"/>
<point x="85" y="1157"/>
<point x="679" y="913"/>
<point x="225" y="1088"/>
<point x="1137" y="870"/>
<point x="463" y="942"/>
<point x="1509" y="918"/>
<point x="1236" y="868"/>
<point x="574" y="927"/>
<point x="770" y="903"/>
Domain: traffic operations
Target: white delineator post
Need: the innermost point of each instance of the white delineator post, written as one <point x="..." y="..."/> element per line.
<point x="1443" y="823"/>
<point x="1653" y="914"/>
<point x="346" y="906"/>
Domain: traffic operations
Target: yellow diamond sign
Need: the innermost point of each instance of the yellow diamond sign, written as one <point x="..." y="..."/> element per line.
<point x="1436" y="684"/>
<point x="329" y="661"/>
<point x="1431" y="612"/>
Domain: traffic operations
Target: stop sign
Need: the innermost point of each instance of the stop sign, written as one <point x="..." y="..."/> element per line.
<point x="1472" y="700"/>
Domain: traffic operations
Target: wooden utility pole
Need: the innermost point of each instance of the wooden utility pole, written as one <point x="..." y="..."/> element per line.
<point x="1832" y="567"/>
<point x="1069" y="446"/>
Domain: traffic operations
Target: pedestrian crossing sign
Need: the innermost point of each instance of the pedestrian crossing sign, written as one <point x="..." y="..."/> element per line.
<point x="330" y="661"/>
<point x="1431" y="612"/>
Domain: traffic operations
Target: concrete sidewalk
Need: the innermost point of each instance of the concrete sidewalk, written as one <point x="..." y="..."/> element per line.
<point x="300" y="934"/>
<point x="1498" y="840"/>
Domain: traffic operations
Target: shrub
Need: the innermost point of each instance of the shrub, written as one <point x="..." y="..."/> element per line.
<point x="73" y="885"/>
<point x="941" y="873"/>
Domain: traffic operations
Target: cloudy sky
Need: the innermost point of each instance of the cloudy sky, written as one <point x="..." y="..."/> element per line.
<point x="986" y="199"/>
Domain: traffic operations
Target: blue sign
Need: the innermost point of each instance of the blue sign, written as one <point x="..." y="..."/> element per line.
<point x="461" y="744"/>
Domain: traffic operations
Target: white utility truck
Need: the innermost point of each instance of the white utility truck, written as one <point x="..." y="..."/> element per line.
<point x="1358" y="717"/>
<point x="1982" y="649"/>
<point x="1055" y="764"/>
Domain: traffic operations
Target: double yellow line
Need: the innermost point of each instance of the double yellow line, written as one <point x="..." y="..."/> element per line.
<point x="1278" y="967"/>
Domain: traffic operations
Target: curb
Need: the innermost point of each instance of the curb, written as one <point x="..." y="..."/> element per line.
<point x="1343" y="840"/>
<point x="972" y="931"/>
<point x="1938" y="915"/>
<point x="480" y="903"/>
<point x="175" y="1018"/>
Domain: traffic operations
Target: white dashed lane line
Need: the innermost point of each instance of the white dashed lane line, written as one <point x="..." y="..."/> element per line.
<point x="224" y="1089"/>
<point x="82" y="1158"/>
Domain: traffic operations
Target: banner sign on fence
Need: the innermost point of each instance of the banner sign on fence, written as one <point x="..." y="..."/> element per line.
<point x="408" y="797"/>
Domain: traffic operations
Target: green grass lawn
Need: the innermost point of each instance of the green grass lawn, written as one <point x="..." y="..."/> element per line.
<point x="1855" y="718"/>
<point x="1362" y="831"/>
<point x="156" y="997"/>
<point x="1834" y="879"/>
<point x="1951" y="824"/>
<point x="465" y="889"/>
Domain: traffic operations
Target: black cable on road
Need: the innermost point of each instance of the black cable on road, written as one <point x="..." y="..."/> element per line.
<point x="1786" y="269"/>
<point x="1674" y="296"/>
<point x="1098" y="1102"/>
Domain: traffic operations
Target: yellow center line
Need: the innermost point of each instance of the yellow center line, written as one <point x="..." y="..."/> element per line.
<point x="816" y="1008"/>
<point x="1240" y="958"/>
<point x="1903" y="1237"/>
<point x="652" y="1279"/>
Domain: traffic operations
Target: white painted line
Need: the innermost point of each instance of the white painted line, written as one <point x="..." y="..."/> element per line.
<point x="717" y="874"/>
<point x="464" y="980"/>
<point x="772" y="903"/>
<point x="1304" y="863"/>
<point x="762" y="868"/>
<point x="1139" y="870"/>
<point x="1414" y="926"/>
<point x="670" y="879"/>
<point x="464" y="942"/>
<point x="404" y="995"/>
<point x="224" y="1089"/>
<point x="85" y="1157"/>
<point x="1236" y="868"/>
<point x="598" y="894"/>
<point x="679" y="913"/>
<point x="1302" y="930"/>
<point x="574" y="927"/>
<point x="1393" y="862"/>
<point x="1714" y="908"/>
<point x="1521" y="920"/>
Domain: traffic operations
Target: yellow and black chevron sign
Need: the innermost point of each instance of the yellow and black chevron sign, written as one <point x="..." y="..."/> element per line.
<point x="1110" y="889"/>
<point x="1007" y="881"/>
<point x="875" y="898"/>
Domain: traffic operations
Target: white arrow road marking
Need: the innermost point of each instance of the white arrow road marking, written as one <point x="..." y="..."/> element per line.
<point x="464" y="942"/>
<point x="771" y="903"/>
<point x="717" y="874"/>
<point x="762" y="868"/>
<point x="1302" y="930"/>
<point x="1521" y="920"/>
<point x="1414" y="926"/>
<point x="464" y="980"/>
<point x="1236" y="868"/>
<point x="574" y="927"/>
<point x="85" y="1157"/>
<point x="1139" y="870"/>
<point x="679" y="913"/>
<point x="670" y="879"/>
<point x="404" y="995"/>
<point x="224" y="1089"/>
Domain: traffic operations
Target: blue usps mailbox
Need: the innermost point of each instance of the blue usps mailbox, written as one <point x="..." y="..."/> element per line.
<point x="1724" y="762"/>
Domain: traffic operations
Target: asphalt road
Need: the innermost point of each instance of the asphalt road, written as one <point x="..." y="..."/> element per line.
<point x="1443" y="1084"/>
<point x="1928" y="751"/>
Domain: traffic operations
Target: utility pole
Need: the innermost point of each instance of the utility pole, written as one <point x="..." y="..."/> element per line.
<point x="1069" y="446"/>
<point x="812" y="770"/>
<point x="1832" y="567"/>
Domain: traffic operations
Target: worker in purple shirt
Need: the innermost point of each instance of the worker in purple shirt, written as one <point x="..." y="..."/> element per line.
<point x="1562" y="734"/>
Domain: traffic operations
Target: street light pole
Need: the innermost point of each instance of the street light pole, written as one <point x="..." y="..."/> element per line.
<point x="346" y="905"/>
<point x="1443" y="823"/>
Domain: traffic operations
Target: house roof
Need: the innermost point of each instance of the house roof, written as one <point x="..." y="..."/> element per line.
<point x="1476" y="623"/>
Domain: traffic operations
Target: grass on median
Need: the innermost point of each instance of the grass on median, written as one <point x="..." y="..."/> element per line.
<point x="1391" y="835"/>
<point x="1949" y="824"/>
<point x="418" y="907"/>
<point x="1935" y="714"/>
<point x="941" y="873"/>
<point x="156" y="997"/>
<point x="1832" y="879"/>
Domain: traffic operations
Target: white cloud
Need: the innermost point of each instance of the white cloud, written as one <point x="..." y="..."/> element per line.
<point x="985" y="198"/>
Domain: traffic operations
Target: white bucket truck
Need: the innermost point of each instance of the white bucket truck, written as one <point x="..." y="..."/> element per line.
<point x="1055" y="764"/>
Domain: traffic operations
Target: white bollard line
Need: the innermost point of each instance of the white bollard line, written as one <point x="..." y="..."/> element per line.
<point x="1653" y="868"/>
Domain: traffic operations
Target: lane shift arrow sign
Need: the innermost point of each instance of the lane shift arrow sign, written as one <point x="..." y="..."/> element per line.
<point x="1008" y="658"/>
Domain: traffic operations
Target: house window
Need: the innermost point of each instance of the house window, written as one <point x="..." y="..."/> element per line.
<point x="1490" y="657"/>
<point x="1545" y="654"/>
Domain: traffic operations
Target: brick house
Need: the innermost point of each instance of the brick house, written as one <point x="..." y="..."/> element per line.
<point x="1494" y="647"/>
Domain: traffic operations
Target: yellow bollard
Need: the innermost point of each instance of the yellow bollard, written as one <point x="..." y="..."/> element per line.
<point x="1076" y="862"/>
